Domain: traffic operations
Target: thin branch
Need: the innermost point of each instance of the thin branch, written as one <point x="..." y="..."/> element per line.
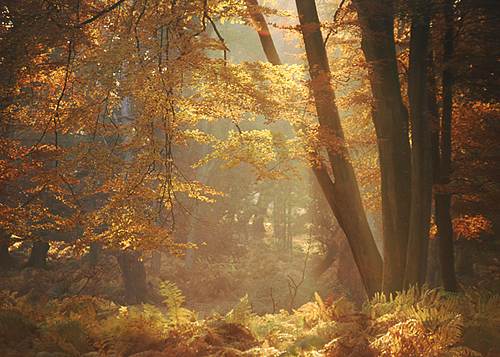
<point x="335" y="19"/>
<point x="61" y="96"/>
<point x="101" y="13"/>
<point x="293" y="287"/>
<point x="226" y="49"/>
<point x="137" y="42"/>
<point x="273" y="301"/>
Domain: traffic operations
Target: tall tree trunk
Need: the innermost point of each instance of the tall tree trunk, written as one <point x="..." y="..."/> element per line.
<point x="421" y="161"/>
<point x="343" y="195"/>
<point x="391" y="124"/>
<point x="433" y="266"/>
<point x="38" y="256"/>
<point x="443" y="198"/>
<point x="134" y="277"/>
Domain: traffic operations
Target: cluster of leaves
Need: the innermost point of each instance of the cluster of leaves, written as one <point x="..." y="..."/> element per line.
<point x="467" y="227"/>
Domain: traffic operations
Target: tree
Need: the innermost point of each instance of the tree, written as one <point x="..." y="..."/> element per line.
<point x="391" y="123"/>
<point x="343" y="196"/>
<point x="421" y="161"/>
<point x="343" y="193"/>
<point x="443" y="199"/>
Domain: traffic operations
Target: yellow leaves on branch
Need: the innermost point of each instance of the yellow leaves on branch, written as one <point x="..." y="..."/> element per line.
<point x="467" y="227"/>
<point x="269" y="153"/>
<point x="471" y="227"/>
<point x="125" y="94"/>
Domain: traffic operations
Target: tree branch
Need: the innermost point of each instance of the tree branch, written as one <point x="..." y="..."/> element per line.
<point x="335" y="19"/>
<point x="101" y="13"/>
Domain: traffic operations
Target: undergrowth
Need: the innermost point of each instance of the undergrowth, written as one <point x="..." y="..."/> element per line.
<point x="416" y="322"/>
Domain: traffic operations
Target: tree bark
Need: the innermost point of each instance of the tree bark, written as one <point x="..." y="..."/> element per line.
<point x="134" y="277"/>
<point x="433" y="266"/>
<point x="445" y="241"/>
<point x="6" y="260"/>
<point x="443" y="198"/>
<point x="421" y="161"/>
<point x="343" y="194"/>
<point x="94" y="253"/>
<point x="465" y="257"/>
<point x="156" y="262"/>
<point x="38" y="256"/>
<point x="265" y="38"/>
<point x="391" y="124"/>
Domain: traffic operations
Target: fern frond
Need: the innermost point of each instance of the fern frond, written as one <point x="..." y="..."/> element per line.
<point x="174" y="299"/>
<point x="241" y="313"/>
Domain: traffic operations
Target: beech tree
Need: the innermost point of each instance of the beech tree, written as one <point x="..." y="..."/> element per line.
<point x="406" y="193"/>
<point x="104" y="101"/>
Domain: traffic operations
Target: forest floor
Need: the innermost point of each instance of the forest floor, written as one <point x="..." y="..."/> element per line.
<point x="263" y="301"/>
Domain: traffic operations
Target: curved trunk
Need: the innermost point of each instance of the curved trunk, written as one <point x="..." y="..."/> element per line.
<point x="260" y="25"/>
<point x="343" y="194"/>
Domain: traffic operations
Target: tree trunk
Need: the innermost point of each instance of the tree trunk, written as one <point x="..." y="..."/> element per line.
<point x="445" y="241"/>
<point x="134" y="277"/>
<point x="260" y="25"/>
<point x="6" y="260"/>
<point x="421" y="161"/>
<point x="391" y="124"/>
<point x="348" y="275"/>
<point x="156" y="262"/>
<point x="38" y="256"/>
<point x="348" y="210"/>
<point x="465" y="262"/>
<point x="332" y="253"/>
<point x="433" y="266"/>
<point x="94" y="253"/>
<point x="343" y="195"/>
<point x="443" y="198"/>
